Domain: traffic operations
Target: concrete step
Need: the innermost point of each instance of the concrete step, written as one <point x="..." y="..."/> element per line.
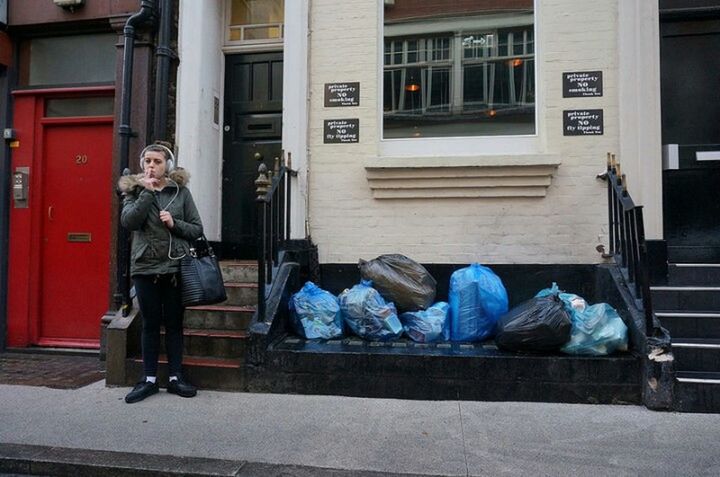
<point x="240" y="294"/>
<point x="693" y="274"/>
<point x="693" y="254"/>
<point x="219" y="317"/>
<point x="203" y="372"/>
<point x="697" y="391"/>
<point x="685" y="298"/>
<point x="239" y="271"/>
<point x="691" y="324"/>
<point x="696" y="354"/>
<point x="213" y="343"/>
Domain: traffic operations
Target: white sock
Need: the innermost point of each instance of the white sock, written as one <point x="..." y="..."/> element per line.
<point x="173" y="378"/>
<point x="150" y="379"/>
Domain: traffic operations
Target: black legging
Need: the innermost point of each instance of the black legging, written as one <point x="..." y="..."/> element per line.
<point x="161" y="304"/>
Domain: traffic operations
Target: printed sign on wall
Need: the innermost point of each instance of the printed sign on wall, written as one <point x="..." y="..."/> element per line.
<point x="342" y="94"/>
<point x="582" y="84"/>
<point x="3" y="12"/>
<point x="584" y="122"/>
<point x="341" y="131"/>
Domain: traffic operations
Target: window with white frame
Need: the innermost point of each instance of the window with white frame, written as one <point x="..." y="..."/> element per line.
<point x="458" y="69"/>
<point x="255" y="21"/>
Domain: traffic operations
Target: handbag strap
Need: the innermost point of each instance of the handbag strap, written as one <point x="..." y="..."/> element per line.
<point x="193" y="250"/>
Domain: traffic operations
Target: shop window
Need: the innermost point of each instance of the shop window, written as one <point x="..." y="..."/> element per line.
<point x="68" y="60"/>
<point x="458" y="69"/>
<point x="255" y="21"/>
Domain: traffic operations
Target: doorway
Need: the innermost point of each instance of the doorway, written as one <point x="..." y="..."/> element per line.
<point x="59" y="250"/>
<point x="75" y="236"/>
<point x="690" y="89"/>
<point x="252" y="135"/>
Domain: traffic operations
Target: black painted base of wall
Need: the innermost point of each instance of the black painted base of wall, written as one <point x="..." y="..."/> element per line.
<point x="405" y="370"/>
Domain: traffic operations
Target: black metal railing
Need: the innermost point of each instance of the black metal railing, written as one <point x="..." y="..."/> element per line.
<point x="627" y="239"/>
<point x="273" y="189"/>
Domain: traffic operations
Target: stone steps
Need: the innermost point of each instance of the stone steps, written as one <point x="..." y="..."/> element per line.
<point x="202" y="371"/>
<point x="213" y="343"/>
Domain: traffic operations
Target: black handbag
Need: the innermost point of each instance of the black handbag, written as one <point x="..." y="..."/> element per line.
<point x="201" y="277"/>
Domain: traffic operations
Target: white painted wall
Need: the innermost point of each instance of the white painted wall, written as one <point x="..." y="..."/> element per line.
<point x="295" y="108"/>
<point x="640" y="121"/>
<point x="346" y="221"/>
<point x="200" y="77"/>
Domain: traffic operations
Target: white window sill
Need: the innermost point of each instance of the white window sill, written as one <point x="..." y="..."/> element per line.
<point x="521" y="175"/>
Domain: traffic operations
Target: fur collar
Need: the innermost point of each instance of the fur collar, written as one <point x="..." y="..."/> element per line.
<point x="128" y="183"/>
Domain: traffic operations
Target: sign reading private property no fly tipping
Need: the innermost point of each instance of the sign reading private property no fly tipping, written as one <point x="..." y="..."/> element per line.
<point x="341" y="131"/>
<point x="583" y="122"/>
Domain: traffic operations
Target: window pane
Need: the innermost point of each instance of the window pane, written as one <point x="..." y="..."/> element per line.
<point x="252" y="20"/>
<point x="253" y="12"/>
<point x="69" y="107"/>
<point x="54" y="61"/>
<point x="495" y="93"/>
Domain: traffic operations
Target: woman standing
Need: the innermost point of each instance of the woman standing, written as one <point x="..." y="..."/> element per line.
<point x="161" y="213"/>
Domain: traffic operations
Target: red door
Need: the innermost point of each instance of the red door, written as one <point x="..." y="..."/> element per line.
<point x="75" y="233"/>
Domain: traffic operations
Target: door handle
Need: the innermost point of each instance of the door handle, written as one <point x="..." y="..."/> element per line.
<point x="50" y="213"/>
<point x="258" y="156"/>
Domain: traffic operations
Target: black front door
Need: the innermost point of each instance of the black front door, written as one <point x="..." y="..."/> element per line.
<point x="252" y="134"/>
<point x="690" y="85"/>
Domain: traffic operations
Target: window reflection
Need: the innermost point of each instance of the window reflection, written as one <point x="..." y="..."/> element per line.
<point x="458" y="68"/>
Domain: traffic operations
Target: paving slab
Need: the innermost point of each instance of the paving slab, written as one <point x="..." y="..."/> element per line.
<point x="60" y="371"/>
<point x="572" y="439"/>
<point x="343" y="434"/>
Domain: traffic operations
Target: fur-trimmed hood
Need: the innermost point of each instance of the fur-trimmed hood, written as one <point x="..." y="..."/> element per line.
<point x="128" y="183"/>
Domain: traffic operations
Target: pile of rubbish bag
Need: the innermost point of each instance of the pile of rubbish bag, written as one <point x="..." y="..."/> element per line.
<point x="597" y="330"/>
<point x="396" y="296"/>
<point x="557" y="321"/>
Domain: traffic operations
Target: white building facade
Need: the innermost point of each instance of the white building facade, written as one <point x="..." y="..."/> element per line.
<point x="450" y="136"/>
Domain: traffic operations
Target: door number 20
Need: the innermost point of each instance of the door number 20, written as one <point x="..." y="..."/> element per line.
<point x="81" y="159"/>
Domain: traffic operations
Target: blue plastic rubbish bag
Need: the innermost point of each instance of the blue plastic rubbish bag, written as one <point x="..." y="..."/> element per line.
<point x="426" y="326"/>
<point x="367" y="313"/>
<point x="477" y="300"/>
<point x="597" y="330"/>
<point x="315" y="313"/>
<point x="572" y="302"/>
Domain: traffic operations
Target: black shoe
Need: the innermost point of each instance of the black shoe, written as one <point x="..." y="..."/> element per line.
<point x="181" y="388"/>
<point x="141" y="390"/>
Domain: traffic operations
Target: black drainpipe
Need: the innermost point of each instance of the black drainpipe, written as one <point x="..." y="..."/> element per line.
<point x="147" y="12"/>
<point x="164" y="56"/>
<point x="8" y="79"/>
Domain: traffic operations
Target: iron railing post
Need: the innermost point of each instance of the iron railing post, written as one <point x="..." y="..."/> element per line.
<point x="627" y="240"/>
<point x="261" y="184"/>
<point x="645" y="275"/>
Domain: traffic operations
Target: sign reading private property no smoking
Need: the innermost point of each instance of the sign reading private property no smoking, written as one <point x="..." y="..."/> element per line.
<point x="342" y="94"/>
<point x="582" y="84"/>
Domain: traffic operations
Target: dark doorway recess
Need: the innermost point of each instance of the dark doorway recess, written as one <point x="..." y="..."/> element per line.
<point x="690" y="88"/>
<point x="252" y="134"/>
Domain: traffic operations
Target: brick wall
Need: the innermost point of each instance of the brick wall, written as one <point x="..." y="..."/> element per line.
<point x="563" y="227"/>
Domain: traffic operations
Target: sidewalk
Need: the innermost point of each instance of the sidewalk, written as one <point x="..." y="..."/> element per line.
<point x="412" y="437"/>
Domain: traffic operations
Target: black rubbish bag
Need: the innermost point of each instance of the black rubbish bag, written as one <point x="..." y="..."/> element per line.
<point x="539" y="324"/>
<point x="400" y="280"/>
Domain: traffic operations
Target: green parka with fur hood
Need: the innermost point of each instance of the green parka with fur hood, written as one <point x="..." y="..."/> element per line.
<point x="151" y="238"/>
